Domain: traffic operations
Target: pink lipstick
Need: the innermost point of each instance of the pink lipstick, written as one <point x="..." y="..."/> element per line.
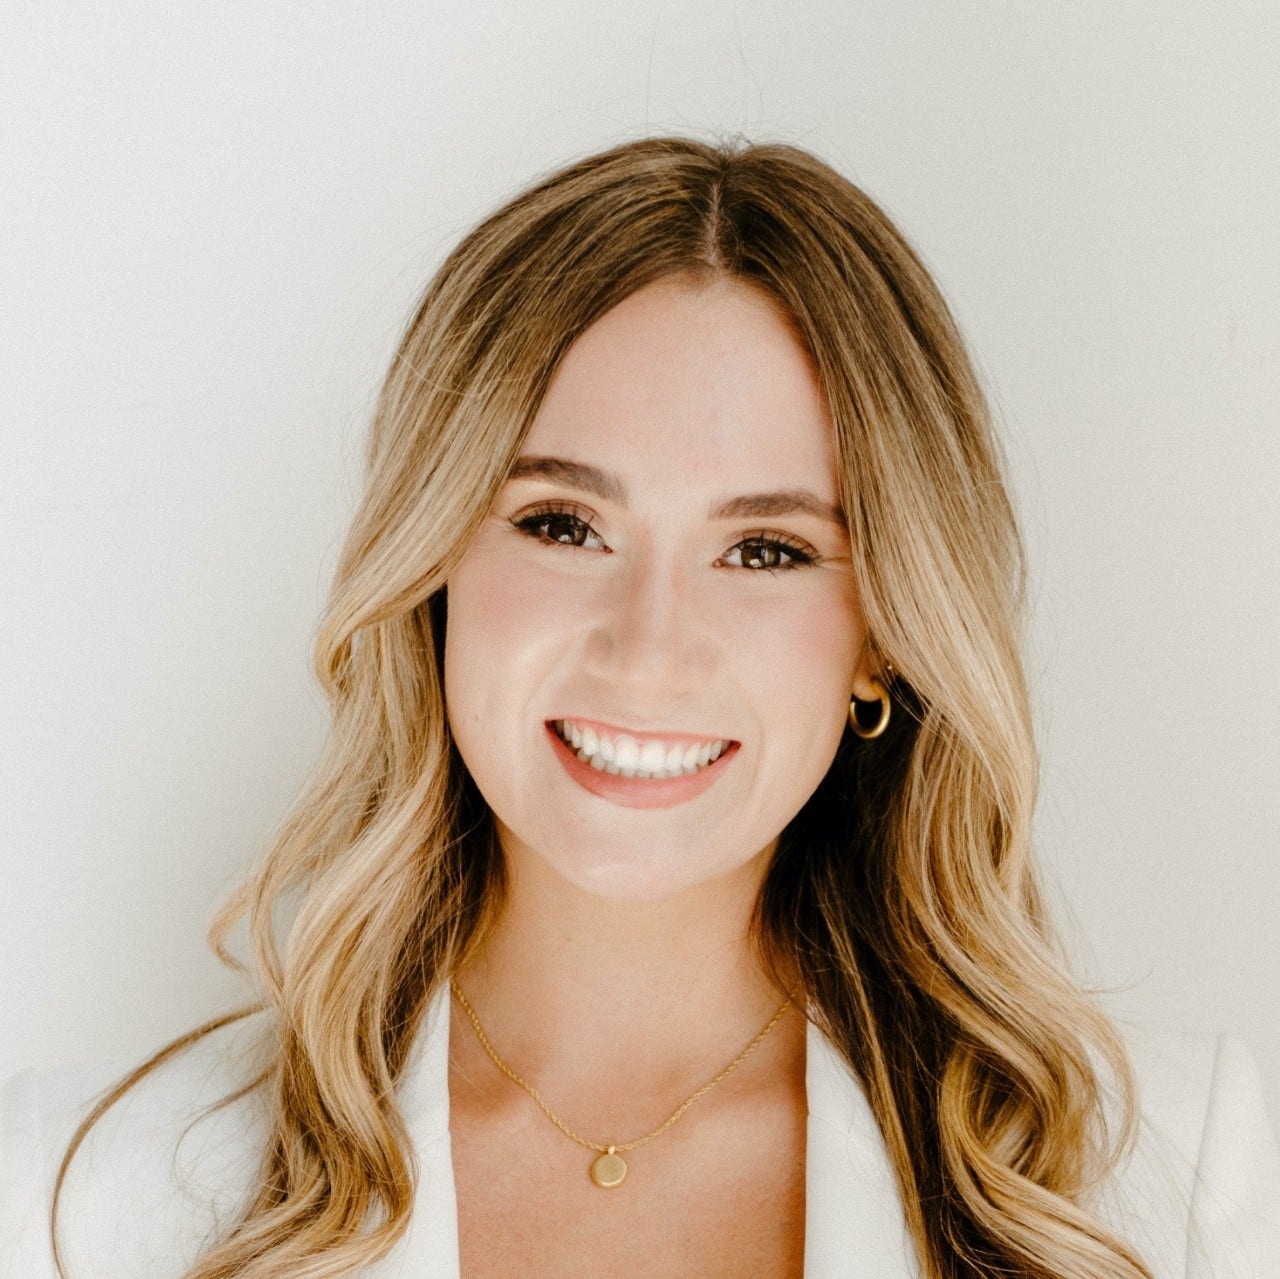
<point x="639" y="792"/>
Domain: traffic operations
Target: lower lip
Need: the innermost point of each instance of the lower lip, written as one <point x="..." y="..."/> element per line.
<point x="639" y="792"/>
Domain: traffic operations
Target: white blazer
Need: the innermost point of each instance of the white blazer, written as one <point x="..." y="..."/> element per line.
<point x="1200" y="1197"/>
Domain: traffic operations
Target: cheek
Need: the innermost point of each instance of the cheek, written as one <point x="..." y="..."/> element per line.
<point x="798" y="662"/>
<point x="504" y="624"/>
<point x="806" y="641"/>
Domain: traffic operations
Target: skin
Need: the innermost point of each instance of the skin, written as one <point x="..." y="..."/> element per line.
<point x="619" y="979"/>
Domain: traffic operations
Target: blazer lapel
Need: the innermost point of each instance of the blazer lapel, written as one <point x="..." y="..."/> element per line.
<point x="854" y="1225"/>
<point x="429" y="1248"/>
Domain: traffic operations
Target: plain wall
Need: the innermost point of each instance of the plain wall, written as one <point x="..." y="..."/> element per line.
<point x="216" y="218"/>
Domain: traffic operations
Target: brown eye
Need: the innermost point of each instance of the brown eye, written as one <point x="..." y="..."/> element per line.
<point x="564" y="527"/>
<point x="772" y="555"/>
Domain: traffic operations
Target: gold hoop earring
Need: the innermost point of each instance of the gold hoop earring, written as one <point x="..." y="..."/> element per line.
<point x="882" y="723"/>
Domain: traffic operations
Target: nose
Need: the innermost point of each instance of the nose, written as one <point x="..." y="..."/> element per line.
<point x="650" y="639"/>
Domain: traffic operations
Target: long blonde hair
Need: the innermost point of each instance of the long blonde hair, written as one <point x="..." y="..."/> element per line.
<point x="904" y="892"/>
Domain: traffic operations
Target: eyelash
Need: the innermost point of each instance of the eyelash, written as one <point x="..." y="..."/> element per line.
<point x="801" y="554"/>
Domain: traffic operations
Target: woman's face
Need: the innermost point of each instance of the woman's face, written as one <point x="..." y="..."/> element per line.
<point x="667" y="564"/>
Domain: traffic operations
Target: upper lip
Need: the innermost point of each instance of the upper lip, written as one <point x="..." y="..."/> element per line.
<point x="659" y="735"/>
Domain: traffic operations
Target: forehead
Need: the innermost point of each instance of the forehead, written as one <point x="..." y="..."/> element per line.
<point x="691" y="385"/>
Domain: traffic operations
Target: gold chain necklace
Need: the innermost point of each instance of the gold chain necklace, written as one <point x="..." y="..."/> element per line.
<point x="609" y="1168"/>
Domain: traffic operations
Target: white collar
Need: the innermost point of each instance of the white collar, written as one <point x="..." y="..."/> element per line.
<point x="854" y="1225"/>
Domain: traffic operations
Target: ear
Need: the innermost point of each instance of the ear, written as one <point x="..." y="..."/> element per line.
<point x="869" y="667"/>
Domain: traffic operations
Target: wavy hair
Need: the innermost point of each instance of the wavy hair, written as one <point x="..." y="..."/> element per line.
<point x="904" y="892"/>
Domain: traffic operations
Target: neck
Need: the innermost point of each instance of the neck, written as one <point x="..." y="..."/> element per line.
<point x="614" y="1009"/>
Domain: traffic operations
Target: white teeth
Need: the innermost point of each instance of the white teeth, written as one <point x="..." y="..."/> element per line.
<point x="625" y="757"/>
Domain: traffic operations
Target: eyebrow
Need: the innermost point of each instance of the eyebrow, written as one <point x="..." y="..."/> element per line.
<point x="591" y="479"/>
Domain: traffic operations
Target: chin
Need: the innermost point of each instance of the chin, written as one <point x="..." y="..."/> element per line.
<point x="628" y="881"/>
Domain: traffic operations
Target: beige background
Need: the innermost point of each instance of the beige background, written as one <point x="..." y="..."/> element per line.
<point x="215" y="218"/>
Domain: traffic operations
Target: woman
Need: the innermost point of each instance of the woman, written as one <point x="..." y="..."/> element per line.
<point x="667" y="903"/>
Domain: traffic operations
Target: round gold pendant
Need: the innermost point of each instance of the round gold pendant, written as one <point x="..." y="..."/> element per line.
<point x="609" y="1170"/>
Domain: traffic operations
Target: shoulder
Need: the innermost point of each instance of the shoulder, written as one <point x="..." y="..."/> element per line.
<point x="157" y="1176"/>
<point x="1199" y="1193"/>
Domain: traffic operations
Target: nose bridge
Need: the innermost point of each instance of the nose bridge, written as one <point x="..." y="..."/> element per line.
<point x="649" y="630"/>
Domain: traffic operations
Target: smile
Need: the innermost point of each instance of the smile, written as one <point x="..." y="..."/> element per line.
<point x="628" y="755"/>
<point x="638" y="770"/>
